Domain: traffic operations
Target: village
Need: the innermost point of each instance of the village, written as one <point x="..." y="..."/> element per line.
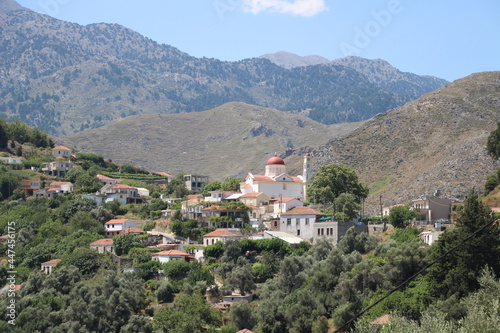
<point x="267" y="206"/>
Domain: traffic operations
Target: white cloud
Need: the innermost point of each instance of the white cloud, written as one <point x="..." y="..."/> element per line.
<point x="306" y="8"/>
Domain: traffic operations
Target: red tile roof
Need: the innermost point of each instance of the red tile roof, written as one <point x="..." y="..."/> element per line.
<point x="171" y="253"/>
<point x="251" y="195"/>
<point x="303" y="211"/>
<point x="397" y="205"/>
<point x="59" y="183"/>
<point x="283" y="200"/>
<point x="61" y="148"/>
<point x="260" y="178"/>
<point x="104" y="241"/>
<point x="193" y="201"/>
<point x="381" y="320"/>
<point x="132" y="230"/>
<point x="52" y="262"/>
<point x="116" y="221"/>
<point x="163" y="174"/>
<point x="103" y="177"/>
<point x="220" y="233"/>
<point x="123" y="186"/>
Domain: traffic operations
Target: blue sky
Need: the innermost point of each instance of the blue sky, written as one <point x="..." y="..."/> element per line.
<point x="447" y="39"/>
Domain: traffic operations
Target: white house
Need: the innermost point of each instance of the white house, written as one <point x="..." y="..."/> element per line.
<point x="115" y="226"/>
<point x="429" y="237"/>
<point x="387" y="210"/>
<point x="299" y="221"/>
<point x="283" y="205"/>
<point x="123" y="193"/>
<point x="65" y="187"/>
<point x="166" y="256"/>
<point x="61" y="152"/>
<point x="221" y="235"/>
<point x="10" y="159"/>
<point x="219" y="196"/>
<point x="143" y="192"/>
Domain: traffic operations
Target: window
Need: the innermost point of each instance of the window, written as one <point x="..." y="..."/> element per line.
<point x="289" y="221"/>
<point x="319" y="232"/>
<point x="298" y="232"/>
<point x="297" y="221"/>
<point x="284" y="186"/>
<point x="307" y="221"/>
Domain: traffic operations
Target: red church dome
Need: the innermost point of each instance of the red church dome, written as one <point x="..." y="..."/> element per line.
<point x="275" y="160"/>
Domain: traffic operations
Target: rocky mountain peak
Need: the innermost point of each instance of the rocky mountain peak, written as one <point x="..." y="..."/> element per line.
<point x="10" y="5"/>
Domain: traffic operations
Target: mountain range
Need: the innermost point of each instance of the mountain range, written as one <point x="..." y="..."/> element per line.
<point x="64" y="77"/>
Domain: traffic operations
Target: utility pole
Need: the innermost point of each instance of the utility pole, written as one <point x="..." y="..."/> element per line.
<point x="382" y="214"/>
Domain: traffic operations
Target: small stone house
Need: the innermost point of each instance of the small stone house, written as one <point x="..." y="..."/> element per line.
<point x="221" y="235"/>
<point x="103" y="245"/>
<point x="48" y="266"/>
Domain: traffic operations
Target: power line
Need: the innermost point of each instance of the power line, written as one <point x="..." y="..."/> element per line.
<point x="415" y="275"/>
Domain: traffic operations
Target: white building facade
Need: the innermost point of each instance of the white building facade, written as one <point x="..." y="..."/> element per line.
<point x="276" y="183"/>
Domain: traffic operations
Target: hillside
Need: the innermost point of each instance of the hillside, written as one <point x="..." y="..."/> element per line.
<point x="230" y="140"/>
<point x="435" y="142"/>
<point x="63" y="78"/>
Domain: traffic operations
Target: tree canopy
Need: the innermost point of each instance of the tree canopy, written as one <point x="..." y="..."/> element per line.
<point x="493" y="143"/>
<point x="400" y="216"/>
<point x="457" y="273"/>
<point x="331" y="181"/>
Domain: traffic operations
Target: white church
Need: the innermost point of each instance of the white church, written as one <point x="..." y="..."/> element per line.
<point x="276" y="183"/>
